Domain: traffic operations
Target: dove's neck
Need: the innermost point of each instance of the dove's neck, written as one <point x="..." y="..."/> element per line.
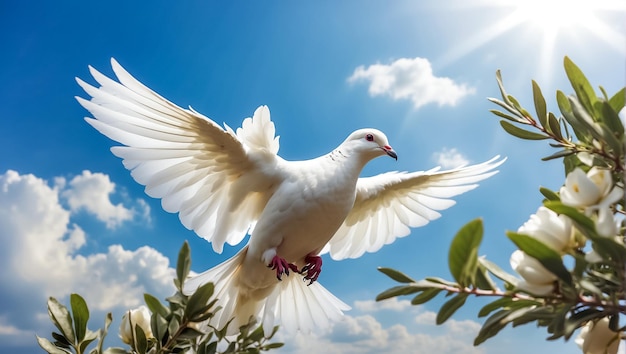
<point x="348" y="159"/>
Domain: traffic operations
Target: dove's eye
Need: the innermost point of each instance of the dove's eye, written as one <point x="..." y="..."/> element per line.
<point x="369" y="137"/>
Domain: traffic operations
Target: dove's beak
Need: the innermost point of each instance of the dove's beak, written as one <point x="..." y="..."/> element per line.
<point x="389" y="151"/>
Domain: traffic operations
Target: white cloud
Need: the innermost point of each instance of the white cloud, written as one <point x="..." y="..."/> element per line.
<point x="392" y="304"/>
<point x="360" y="332"/>
<point x="39" y="254"/>
<point x="450" y="158"/>
<point x="411" y="79"/>
<point x="463" y="327"/>
<point x="366" y="335"/>
<point x="92" y="192"/>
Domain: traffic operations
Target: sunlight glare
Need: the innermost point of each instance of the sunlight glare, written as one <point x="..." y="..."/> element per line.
<point x="551" y="19"/>
<point x="551" y="16"/>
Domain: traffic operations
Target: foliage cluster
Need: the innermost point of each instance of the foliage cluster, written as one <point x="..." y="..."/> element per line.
<point x="178" y="327"/>
<point x="571" y="256"/>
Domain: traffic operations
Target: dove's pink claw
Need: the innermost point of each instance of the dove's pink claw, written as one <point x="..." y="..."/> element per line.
<point x="312" y="269"/>
<point x="282" y="266"/>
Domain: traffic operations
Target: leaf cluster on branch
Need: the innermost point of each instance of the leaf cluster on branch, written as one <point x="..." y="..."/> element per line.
<point x="178" y="327"/>
<point x="571" y="258"/>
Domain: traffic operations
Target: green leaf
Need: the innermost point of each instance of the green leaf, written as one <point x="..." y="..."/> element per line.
<point x="114" y="350"/>
<point x="398" y="291"/>
<point x="140" y="340"/>
<point x="501" y="87"/>
<point x="177" y="299"/>
<point x="580" y="318"/>
<point x="183" y="265"/>
<point x="498" y="272"/>
<point x="570" y="163"/>
<point x="583" y="117"/>
<point x="49" y="347"/>
<point x="273" y="346"/>
<point x="555" y="125"/>
<point x="492" y="326"/>
<point x="450" y="307"/>
<point x="60" y="340"/>
<point x="80" y="312"/>
<point x="610" y="117"/>
<point x="442" y="282"/>
<point x="580" y="84"/>
<point x="539" y="314"/>
<point x="211" y="348"/>
<point x="396" y="275"/>
<point x="190" y="333"/>
<point x="548" y="257"/>
<point x="563" y="102"/>
<point x="548" y="194"/>
<point x="558" y="155"/>
<point x="506" y="303"/>
<point x="566" y="109"/>
<point x="61" y="318"/>
<point x="257" y="334"/>
<point x="89" y="338"/>
<point x="463" y="254"/>
<point x="497" y="322"/>
<point x="155" y="306"/>
<point x="413" y="288"/>
<point x="540" y="106"/>
<point x="517" y="116"/>
<point x="173" y="325"/>
<point x="198" y="301"/>
<point x="482" y="279"/>
<point x="158" y="324"/>
<point x="425" y="296"/>
<point x="506" y="116"/>
<point x="618" y="101"/>
<point x="557" y="324"/>
<point x="521" y="133"/>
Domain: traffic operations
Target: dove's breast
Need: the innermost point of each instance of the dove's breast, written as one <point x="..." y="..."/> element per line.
<point x="305" y="212"/>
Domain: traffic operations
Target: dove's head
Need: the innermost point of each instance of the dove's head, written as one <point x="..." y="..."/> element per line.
<point x="369" y="143"/>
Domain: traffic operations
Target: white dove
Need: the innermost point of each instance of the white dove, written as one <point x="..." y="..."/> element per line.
<point x="227" y="184"/>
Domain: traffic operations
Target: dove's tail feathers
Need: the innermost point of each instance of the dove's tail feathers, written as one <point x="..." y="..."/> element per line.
<point x="292" y="304"/>
<point x="258" y="132"/>
<point x="224" y="278"/>
<point x="297" y="306"/>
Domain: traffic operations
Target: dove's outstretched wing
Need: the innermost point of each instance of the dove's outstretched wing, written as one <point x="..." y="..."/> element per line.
<point x="387" y="205"/>
<point x="217" y="180"/>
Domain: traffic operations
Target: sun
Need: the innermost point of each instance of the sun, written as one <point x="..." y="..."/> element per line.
<point x="552" y="16"/>
<point x="546" y="21"/>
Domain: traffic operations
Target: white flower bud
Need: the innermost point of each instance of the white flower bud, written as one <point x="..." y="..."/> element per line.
<point x="138" y="317"/>
<point x="606" y="223"/>
<point x="597" y="338"/>
<point x="537" y="279"/>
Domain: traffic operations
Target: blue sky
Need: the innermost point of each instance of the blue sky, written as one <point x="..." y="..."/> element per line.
<point x="73" y="220"/>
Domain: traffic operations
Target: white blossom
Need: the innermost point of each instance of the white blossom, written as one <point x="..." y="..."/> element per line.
<point x="597" y="338"/>
<point x="138" y="317"/>
<point x="589" y="189"/>
<point x="553" y="230"/>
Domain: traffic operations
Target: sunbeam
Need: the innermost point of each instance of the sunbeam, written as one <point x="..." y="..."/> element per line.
<point x="547" y="21"/>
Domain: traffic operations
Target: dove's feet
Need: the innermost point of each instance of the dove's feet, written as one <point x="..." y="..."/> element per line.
<point x="312" y="269"/>
<point x="282" y="267"/>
